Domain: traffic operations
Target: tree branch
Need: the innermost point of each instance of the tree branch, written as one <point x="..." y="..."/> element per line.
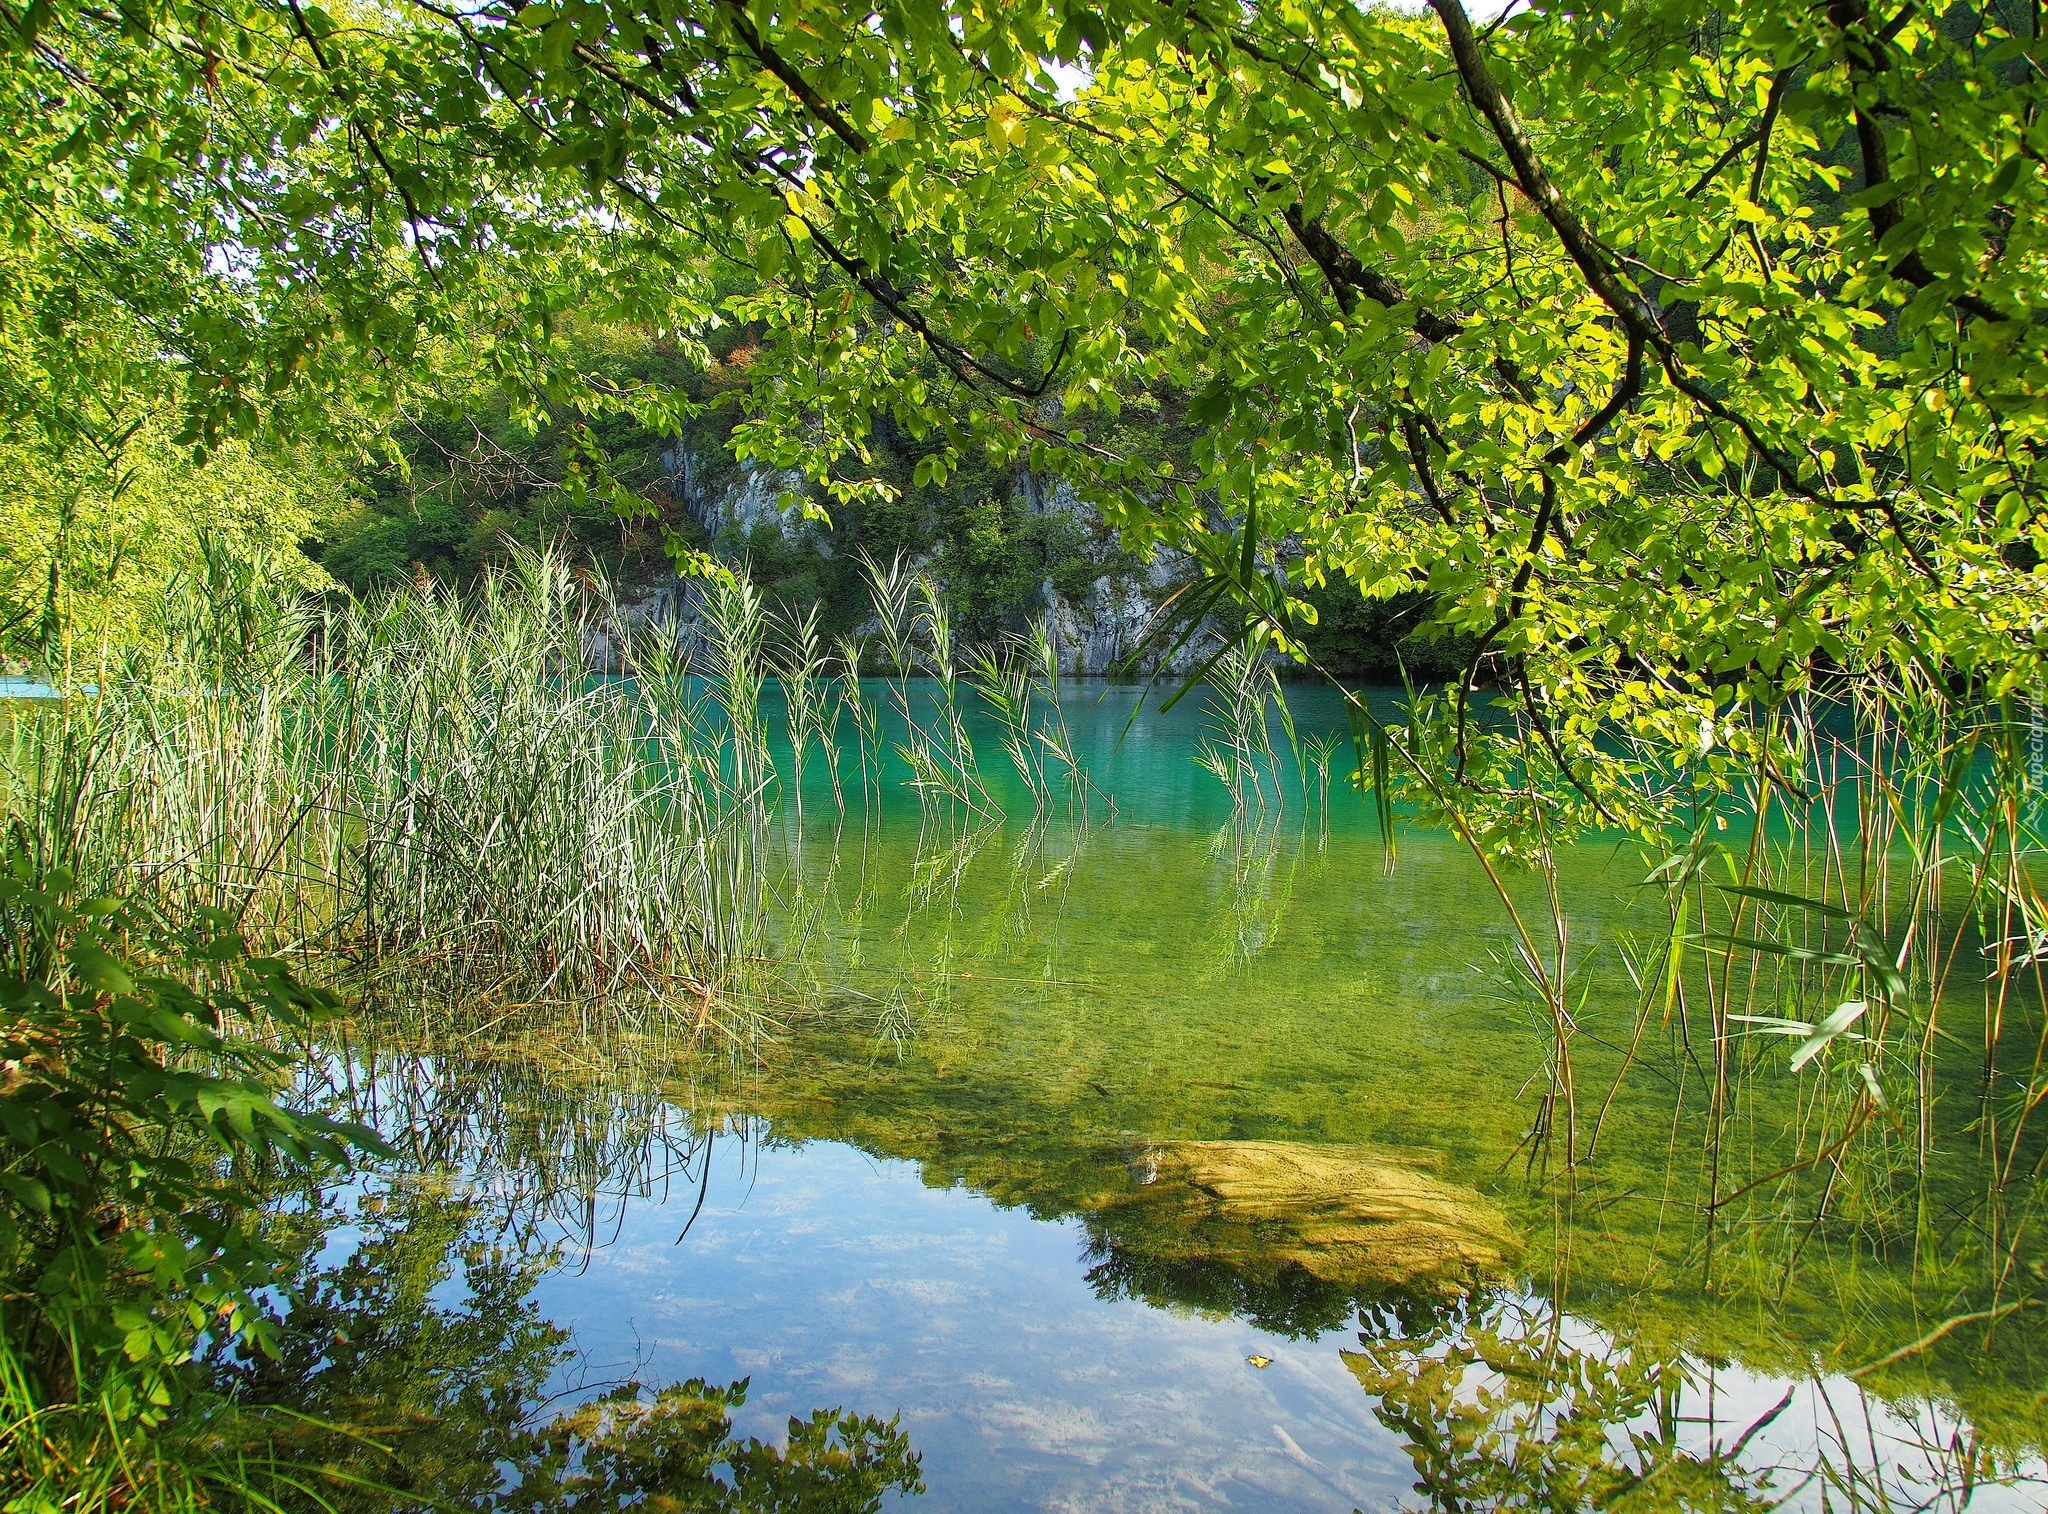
<point x="1867" y="59"/>
<point x="1348" y="277"/>
<point x="1634" y="309"/>
<point x="1418" y="456"/>
<point x="794" y="82"/>
<point x="1757" y="136"/>
<point x="958" y="358"/>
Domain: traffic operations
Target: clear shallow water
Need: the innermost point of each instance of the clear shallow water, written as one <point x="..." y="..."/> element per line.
<point x="824" y="1275"/>
<point x="827" y="1276"/>
<point x="1034" y="1136"/>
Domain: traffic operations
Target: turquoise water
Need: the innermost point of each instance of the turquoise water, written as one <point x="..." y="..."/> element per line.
<point x="1132" y="746"/>
<point x="1176" y="1163"/>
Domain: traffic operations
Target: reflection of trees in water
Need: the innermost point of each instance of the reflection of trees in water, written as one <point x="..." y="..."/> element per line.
<point x="1260" y="888"/>
<point x="1504" y="1401"/>
<point x="423" y="1340"/>
<point x="1282" y="1297"/>
<point x="554" y="1134"/>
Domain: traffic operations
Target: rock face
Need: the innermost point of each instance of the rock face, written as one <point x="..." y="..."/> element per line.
<point x="722" y="495"/>
<point x="1095" y="633"/>
<point x="1092" y="633"/>
<point x="1349" y="1215"/>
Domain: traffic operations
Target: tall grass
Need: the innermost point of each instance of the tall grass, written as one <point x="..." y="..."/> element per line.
<point x="954" y="770"/>
<point x="511" y="823"/>
<point x="915" y="630"/>
<point x="1319" y="751"/>
<point x="1003" y="681"/>
<point x="734" y="632"/>
<point x="1242" y="700"/>
<point x="1017" y="680"/>
<point x="1841" y="974"/>
<point x="101" y="1456"/>
<point x="807" y="700"/>
<point x="431" y="790"/>
<point x="1874" y="927"/>
<point x="866" y="716"/>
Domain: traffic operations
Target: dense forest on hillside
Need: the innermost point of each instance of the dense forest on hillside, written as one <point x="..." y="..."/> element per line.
<point x="464" y="478"/>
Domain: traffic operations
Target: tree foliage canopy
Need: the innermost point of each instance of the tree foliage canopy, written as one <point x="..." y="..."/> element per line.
<point x="1685" y="352"/>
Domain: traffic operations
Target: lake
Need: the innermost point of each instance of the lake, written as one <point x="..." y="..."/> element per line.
<point x="1184" y="1161"/>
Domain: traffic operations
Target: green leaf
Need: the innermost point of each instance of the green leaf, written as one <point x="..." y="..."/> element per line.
<point x="28" y="1192"/>
<point x="98" y="969"/>
<point x="1837" y="1023"/>
<point x="1793" y="901"/>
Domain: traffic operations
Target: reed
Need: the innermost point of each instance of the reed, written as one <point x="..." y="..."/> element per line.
<point x="425" y="790"/>
<point x="866" y="716"/>
<point x="915" y="631"/>
<point x="1017" y="682"/>
<point x="1238" y="748"/>
<point x="1055" y="736"/>
<point x="808" y="705"/>
<point x="1844" y="977"/>
<point x="527" y="830"/>
<point x="957" y="771"/>
<point x="1877" y="935"/>
<point x="799" y="667"/>
<point x="735" y="628"/>
<point x="431" y="793"/>
<point x="891" y="591"/>
<point x="1319" y="751"/>
<point x="1002" y="680"/>
<point x="717" y="802"/>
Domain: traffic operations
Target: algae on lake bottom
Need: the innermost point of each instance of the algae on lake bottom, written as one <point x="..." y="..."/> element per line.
<point x="1350" y="1215"/>
<point x="1249" y="1095"/>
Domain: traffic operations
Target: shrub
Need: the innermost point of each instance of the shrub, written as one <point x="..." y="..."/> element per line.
<point x="139" y="1126"/>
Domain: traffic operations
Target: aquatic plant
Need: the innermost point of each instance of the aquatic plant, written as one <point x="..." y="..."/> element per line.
<point x="1054" y="734"/>
<point x="735" y="628"/>
<point x="946" y="762"/>
<point x="892" y="590"/>
<point x="915" y="630"/>
<point x="1017" y="681"/>
<point x="867" y="723"/>
<point x="808" y="706"/>
<point x="518" y="835"/>
<point x="1319" y="751"/>
<point x="1243" y="698"/>
<point x="431" y="789"/>
<point x="1003" y="681"/>
<point x="1839" y="940"/>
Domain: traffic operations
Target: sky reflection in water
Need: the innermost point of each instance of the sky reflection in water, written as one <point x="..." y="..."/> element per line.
<point x="924" y="1200"/>
<point x="827" y="1276"/>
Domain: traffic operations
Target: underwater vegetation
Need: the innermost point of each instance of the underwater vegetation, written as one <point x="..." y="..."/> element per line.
<point x="1760" y="1088"/>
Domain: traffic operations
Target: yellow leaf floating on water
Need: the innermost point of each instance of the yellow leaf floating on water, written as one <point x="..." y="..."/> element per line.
<point x="1258" y="1361"/>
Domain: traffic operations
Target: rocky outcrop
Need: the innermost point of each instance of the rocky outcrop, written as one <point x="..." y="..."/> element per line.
<point x="1096" y="634"/>
<point x="1348" y="1215"/>
<point x="1092" y="632"/>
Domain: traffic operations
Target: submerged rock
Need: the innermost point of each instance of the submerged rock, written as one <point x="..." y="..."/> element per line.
<point x="1349" y="1215"/>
